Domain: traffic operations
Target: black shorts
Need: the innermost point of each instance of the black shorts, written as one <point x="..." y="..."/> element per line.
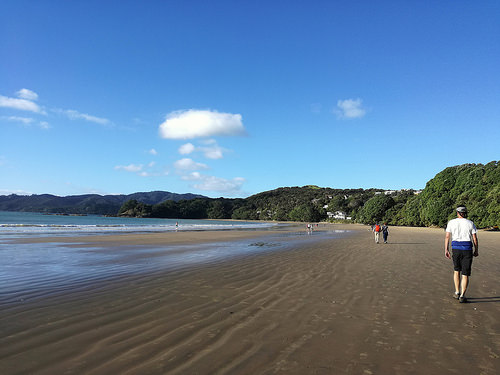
<point x="462" y="261"/>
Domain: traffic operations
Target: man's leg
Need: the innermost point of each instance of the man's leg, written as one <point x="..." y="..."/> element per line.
<point x="464" y="284"/>
<point x="456" y="279"/>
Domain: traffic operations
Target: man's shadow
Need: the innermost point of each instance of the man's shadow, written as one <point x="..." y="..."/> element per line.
<point x="483" y="299"/>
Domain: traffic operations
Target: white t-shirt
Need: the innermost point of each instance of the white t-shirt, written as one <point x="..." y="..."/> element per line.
<point x="461" y="229"/>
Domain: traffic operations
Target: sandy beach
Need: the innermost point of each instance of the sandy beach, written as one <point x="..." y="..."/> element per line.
<point x="337" y="306"/>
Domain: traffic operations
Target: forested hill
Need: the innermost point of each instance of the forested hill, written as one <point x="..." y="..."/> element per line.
<point x="84" y="204"/>
<point x="475" y="185"/>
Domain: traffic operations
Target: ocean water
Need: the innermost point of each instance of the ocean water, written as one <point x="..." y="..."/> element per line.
<point x="30" y="271"/>
<point x="21" y="224"/>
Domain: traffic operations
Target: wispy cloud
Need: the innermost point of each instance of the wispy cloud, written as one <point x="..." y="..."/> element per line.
<point x="26" y="121"/>
<point x="187" y="164"/>
<point x="25" y="101"/>
<point x="201" y="123"/>
<point x="350" y="109"/>
<point x="75" y="115"/>
<point x="142" y="170"/>
<point x="135" y="168"/>
<point x="19" y="119"/>
<point x="220" y="185"/>
<point x="153" y="152"/>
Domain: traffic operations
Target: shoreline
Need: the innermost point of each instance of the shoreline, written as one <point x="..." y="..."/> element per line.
<point x="342" y="306"/>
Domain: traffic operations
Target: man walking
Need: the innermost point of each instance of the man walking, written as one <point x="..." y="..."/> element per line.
<point x="385" y="232"/>
<point x="463" y="234"/>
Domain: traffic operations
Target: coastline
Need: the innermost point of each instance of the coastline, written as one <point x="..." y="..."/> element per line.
<point x="323" y="306"/>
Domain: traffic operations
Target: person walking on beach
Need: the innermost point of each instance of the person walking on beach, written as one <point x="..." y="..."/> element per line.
<point x="376" y="230"/>
<point x="463" y="235"/>
<point x="385" y="232"/>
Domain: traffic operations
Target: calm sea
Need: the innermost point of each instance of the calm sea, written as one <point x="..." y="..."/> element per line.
<point x="21" y="224"/>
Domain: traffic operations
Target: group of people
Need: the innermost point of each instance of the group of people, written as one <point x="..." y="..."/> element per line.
<point x="377" y="228"/>
<point x="461" y="234"/>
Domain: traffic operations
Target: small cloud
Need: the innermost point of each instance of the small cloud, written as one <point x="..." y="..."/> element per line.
<point x="186" y="149"/>
<point x="44" y="125"/>
<point x="130" y="168"/>
<point x="201" y="123"/>
<point x="20" y="104"/>
<point x="350" y="108"/>
<point x="27" y="94"/>
<point x="212" y="150"/>
<point x="188" y="164"/>
<point x="75" y="115"/>
<point x="153" y="152"/>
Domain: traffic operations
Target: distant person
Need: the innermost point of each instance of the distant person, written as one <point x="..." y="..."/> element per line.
<point x="463" y="234"/>
<point x="385" y="232"/>
<point x="309" y="228"/>
<point x="176" y="226"/>
<point x="376" y="229"/>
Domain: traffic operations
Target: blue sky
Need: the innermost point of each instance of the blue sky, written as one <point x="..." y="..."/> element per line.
<point x="232" y="98"/>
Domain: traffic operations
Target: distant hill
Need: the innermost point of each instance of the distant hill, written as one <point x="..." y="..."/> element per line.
<point x="85" y="204"/>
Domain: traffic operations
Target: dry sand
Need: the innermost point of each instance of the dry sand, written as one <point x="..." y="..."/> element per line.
<point x="345" y="306"/>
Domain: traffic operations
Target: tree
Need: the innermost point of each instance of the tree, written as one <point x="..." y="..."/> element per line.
<point x="375" y="208"/>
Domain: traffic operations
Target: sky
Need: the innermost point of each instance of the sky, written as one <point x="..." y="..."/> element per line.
<point x="233" y="98"/>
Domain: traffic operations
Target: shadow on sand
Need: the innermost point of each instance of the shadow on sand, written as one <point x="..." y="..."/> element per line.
<point x="483" y="299"/>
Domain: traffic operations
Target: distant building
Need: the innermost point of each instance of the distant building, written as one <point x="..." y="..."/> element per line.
<point x="338" y="215"/>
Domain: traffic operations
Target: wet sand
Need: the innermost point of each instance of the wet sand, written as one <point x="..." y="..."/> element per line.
<point x="343" y="306"/>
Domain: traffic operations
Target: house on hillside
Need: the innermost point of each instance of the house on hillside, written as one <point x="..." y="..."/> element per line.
<point x="338" y="215"/>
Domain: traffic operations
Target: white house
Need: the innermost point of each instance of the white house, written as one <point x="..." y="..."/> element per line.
<point x="339" y="215"/>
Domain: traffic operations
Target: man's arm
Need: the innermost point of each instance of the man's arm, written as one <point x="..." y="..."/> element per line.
<point x="476" y="244"/>
<point x="446" y="245"/>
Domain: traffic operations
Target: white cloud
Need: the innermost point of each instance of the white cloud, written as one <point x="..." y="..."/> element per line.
<point x="193" y="176"/>
<point x="186" y="149"/>
<point x="188" y="164"/>
<point x="220" y="185"/>
<point x="201" y="123"/>
<point x="75" y="115"/>
<point x="20" y="104"/>
<point x="130" y="168"/>
<point x="153" y="152"/>
<point x="212" y="150"/>
<point x="350" y="108"/>
<point x="27" y="94"/>
<point x="23" y="120"/>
